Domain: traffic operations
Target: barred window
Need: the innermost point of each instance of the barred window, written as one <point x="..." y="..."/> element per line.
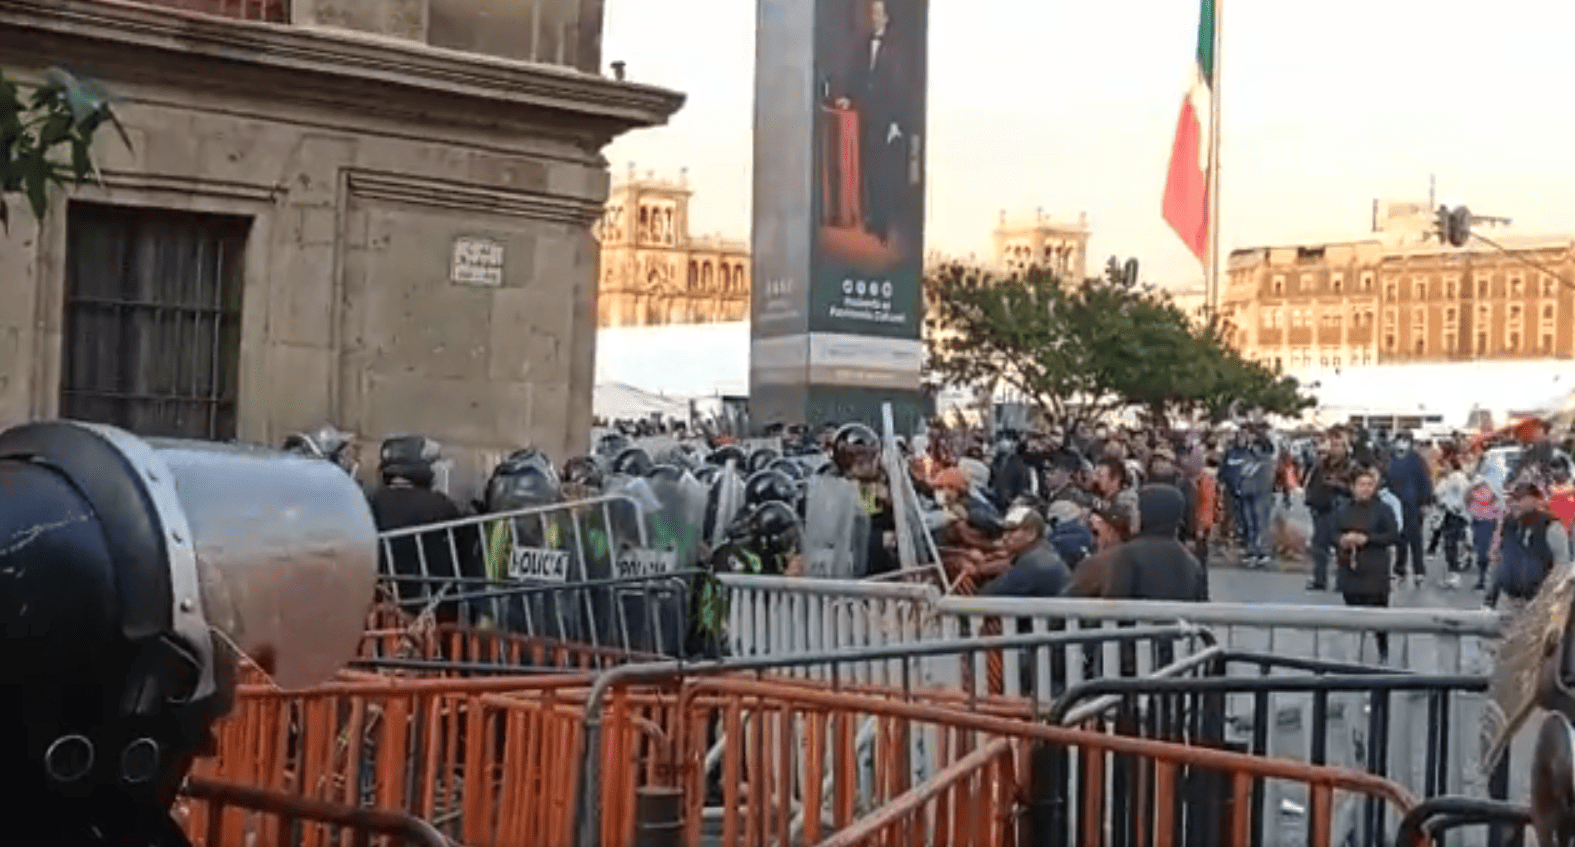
<point x="153" y="320"/>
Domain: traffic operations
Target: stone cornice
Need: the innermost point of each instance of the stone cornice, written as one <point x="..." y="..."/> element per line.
<point x="345" y="62"/>
<point x="396" y="188"/>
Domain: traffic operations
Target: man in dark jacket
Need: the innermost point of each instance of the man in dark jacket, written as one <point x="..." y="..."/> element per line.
<point x="1154" y="565"/>
<point x="1412" y="484"/>
<point x="1328" y="488"/>
<point x="1036" y="570"/>
<point x="407" y="499"/>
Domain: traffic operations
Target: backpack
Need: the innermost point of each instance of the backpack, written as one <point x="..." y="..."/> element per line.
<point x="1072" y="540"/>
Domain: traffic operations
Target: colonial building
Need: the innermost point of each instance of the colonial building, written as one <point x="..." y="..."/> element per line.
<point x="1041" y="241"/>
<point x="371" y="212"/>
<point x="1402" y="296"/>
<point x="654" y="272"/>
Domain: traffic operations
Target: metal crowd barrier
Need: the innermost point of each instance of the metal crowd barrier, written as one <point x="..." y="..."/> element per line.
<point x="582" y="572"/>
<point x="218" y="814"/>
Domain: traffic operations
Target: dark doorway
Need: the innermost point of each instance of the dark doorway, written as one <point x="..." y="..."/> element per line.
<point x="153" y="320"/>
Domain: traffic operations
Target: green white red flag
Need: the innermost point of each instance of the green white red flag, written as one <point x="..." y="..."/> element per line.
<point x="1187" y="182"/>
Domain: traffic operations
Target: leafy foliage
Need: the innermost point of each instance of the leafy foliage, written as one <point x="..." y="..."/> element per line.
<point x="46" y="136"/>
<point x="1080" y="351"/>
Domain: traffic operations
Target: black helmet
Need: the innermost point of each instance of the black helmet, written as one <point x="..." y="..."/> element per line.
<point x="708" y="474"/>
<point x="775" y="527"/>
<point x="526" y="458"/>
<point x="583" y="470"/>
<point x="677" y="457"/>
<point x="324" y="441"/>
<point x="769" y="486"/>
<point x="632" y="462"/>
<point x="409" y="457"/>
<point x="856" y="450"/>
<point x="730" y="453"/>
<point x="761" y="459"/>
<point x="670" y="473"/>
<point x="789" y="468"/>
<point x="612" y="444"/>
<point x="527" y="487"/>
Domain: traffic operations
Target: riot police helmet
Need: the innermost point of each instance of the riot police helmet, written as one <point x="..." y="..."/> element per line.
<point x="526" y="485"/>
<point x="324" y="441"/>
<point x="677" y="457"/>
<point x="631" y="462"/>
<point x="762" y="459"/>
<point x="612" y="444"/>
<point x="584" y="471"/>
<point x="708" y="475"/>
<point x="856" y="449"/>
<point x="721" y="456"/>
<point x="410" y="458"/>
<point x="789" y="468"/>
<point x="776" y="527"/>
<point x="769" y="486"/>
<point x="665" y="473"/>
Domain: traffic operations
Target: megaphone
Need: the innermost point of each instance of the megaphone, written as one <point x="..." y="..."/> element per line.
<point x="135" y="574"/>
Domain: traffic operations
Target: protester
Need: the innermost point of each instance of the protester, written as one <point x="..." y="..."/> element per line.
<point x="1534" y="543"/>
<point x="1036" y="570"/>
<point x="1367" y="529"/>
<point x="1154" y="565"/>
<point x="1411" y="483"/>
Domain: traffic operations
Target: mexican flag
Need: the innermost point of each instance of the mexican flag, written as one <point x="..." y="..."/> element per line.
<point x="1187" y="183"/>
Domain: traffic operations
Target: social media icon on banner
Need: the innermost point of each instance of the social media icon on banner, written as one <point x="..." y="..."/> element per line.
<point x="847" y="286"/>
<point x="863" y="287"/>
<point x="885" y="289"/>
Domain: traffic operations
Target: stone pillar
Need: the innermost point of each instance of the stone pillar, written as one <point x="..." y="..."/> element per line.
<point x="398" y="18"/>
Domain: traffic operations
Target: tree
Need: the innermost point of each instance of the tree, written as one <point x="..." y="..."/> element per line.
<point x="46" y="138"/>
<point x="1081" y="351"/>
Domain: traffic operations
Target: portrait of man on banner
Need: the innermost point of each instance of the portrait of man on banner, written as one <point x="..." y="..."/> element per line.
<point x="872" y="119"/>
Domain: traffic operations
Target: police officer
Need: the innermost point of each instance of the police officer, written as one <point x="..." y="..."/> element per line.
<point x="406" y="498"/>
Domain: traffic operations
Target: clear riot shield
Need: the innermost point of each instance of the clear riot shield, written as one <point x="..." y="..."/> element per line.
<point x="541" y="552"/>
<point x="836" y="529"/>
<point x="653" y="606"/>
<point x="725" y="504"/>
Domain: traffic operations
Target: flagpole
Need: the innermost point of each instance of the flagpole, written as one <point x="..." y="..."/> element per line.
<point x="1211" y="287"/>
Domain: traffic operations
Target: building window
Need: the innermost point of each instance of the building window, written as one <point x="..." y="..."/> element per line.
<point x="1449" y="343"/>
<point x="1306" y="282"/>
<point x="1514" y="314"/>
<point x="1549" y="286"/>
<point x="1421" y="346"/>
<point x="1513" y="343"/>
<point x="1547" y="312"/>
<point x="1418" y="288"/>
<point x="1335" y="360"/>
<point x="1482" y="287"/>
<point x="1515" y="287"/>
<point x="1367" y="282"/>
<point x="1367" y="318"/>
<point x="1547" y="343"/>
<point x="1279" y="364"/>
<point x="1391" y="290"/>
<point x="1450" y="316"/>
<point x="1451" y="288"/>
<point x="1389" y="341"/>
<point x="1337" y="284"/>
<point x="1390" y="317"/>
<point x="153" y="320"/>
<point x="1279" y="285"/>
<point x="1482" y="342"/>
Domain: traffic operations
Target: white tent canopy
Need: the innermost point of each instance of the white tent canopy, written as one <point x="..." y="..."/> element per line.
<point x="1450" y="390"/>
<point x="645" y="369"/>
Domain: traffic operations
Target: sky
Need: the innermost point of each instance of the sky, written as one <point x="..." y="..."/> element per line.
<point x="1071" y="107"/>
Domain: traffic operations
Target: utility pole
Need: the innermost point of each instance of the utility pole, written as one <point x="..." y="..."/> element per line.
<point x="1432" y="191"/>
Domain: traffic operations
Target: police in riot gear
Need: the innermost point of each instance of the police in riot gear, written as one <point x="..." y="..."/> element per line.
<point x="632" y="462"/>
<point x="856" y="452"/>
<point x="721" y="456"/>
<point x="325" y="441"/>
<point x="769" y="486"/>
<point x="134" y="586"/>
<point x="610" y="445"/>
<point x="582" y="478"/>
<point x="761" y="459"/>
<point x="523" y="480"/>
<point x="789" y="468"/>
<point x="707" y="475"/>
<point x="764" y="540"/>
<point x="406" y="498"/>
<point x="667" y="473"/>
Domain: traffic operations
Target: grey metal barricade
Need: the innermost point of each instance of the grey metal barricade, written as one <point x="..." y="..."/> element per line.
<point x="578" y="572"/>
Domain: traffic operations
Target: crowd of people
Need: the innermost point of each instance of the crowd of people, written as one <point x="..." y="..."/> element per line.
<point x="1086" y="511"/>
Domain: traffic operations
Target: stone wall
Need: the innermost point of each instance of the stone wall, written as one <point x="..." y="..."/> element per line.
<point x="357" y="191"/>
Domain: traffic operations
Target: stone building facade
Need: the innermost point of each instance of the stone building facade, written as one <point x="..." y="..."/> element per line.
<point x="1044" y="242"/>
<point x="371" y="212"/>
<point x="653" y="272"/>
<point x="1401" y="297"/>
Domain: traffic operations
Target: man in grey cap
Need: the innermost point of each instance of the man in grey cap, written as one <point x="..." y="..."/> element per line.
<point x="1036" y="569"/>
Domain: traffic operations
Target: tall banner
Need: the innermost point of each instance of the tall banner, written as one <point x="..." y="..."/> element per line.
<point x="839" y="211"/>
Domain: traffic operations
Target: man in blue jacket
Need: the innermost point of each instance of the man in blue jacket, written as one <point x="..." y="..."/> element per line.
<point x="1412" y="484"/>
<point x="1247" y="474"/>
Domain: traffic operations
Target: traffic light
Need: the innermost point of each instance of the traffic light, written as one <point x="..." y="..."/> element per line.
<point x="1441" y="225"/>
<point x="1459" y="230"/>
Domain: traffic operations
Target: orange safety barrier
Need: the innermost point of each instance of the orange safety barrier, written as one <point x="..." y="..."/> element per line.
<point x="839" y="170"/>
<point x="793" y="755"/>
<point x="354" y="825"/>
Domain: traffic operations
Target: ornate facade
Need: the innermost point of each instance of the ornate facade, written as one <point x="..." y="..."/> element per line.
<point x="1041" y="241"/>
<point x="1401" y="296"/>
<point x="653" y="272"/>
